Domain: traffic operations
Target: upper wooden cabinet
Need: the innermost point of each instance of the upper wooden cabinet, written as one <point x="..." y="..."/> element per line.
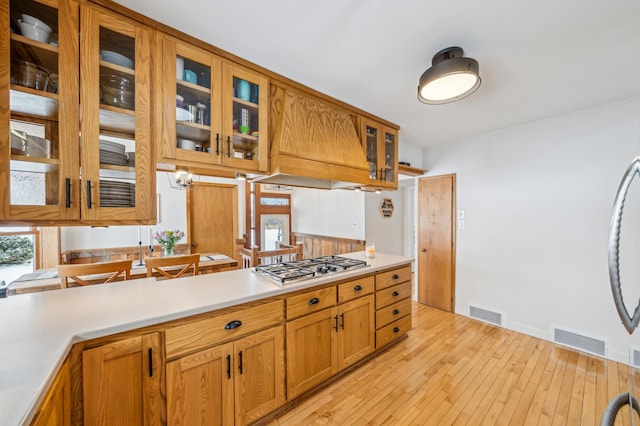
<point x="118" y="177"/>
<point x="94" y="83"/>
<point x="39" y="114"/>
<point x="381" y="143"/>
<point x="214" y="112"/>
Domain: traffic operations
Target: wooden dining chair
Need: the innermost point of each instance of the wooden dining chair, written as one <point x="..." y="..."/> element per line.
<point x="169" y="267"/>
<point x="94" y="273"/>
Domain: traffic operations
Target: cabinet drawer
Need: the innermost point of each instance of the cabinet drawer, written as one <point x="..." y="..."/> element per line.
<point x="397" y="276"/>
<point x="391" y="313"/>
<point x="207" y="332"/>
<point x="352" y="289"/>
<point x="311" y="301"/>
<point x="393" y="294"/>
<point x="393" y="331"/>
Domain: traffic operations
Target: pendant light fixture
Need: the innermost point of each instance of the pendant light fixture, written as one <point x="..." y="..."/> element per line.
<point x="450" y="78"/>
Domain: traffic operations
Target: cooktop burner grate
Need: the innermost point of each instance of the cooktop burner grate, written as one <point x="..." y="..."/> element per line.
<point x="288" y="272"/>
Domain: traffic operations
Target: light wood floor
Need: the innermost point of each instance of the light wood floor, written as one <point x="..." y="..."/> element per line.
<point x="455" y="370"/>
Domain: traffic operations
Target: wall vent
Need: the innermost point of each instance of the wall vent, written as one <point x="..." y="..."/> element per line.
<point x="486" y="315"/>
<point x="580" y="342"/>
<point x="636" y="358"/>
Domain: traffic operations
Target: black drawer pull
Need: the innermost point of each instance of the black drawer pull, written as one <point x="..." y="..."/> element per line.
<point x="233" y="324"/>
<point x="396" y="330"/>
<point x="89" y="194"/>
<point x="314" y="301"/>
<point x="395" y="276"/>
<point x="240" y="363"/>
<point x="396" y="312"/>
<point x="395" y="294"/>
<point x="228" y="366"/>
<point x="357" y="288"/>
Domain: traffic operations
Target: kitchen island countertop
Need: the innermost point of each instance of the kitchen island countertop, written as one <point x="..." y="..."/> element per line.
<point x="40" y="328"/>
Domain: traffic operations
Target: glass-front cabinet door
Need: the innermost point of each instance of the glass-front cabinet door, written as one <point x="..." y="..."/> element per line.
<point x="117" y="176"/>
<point x="191" y="114"/>
<point x="381" y="144"/>
<point x="244" y="118"/>
<point x="38" y="110"/>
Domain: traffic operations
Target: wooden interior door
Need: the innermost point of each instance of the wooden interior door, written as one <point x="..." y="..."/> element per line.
<point x="212" y="218"/>
<point x="436" y="241"/>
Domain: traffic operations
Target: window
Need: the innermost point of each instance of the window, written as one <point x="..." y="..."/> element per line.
<point x="268" y="217"/>
<point x="17" y="252"/>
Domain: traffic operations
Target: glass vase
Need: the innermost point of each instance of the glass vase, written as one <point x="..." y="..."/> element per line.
<point x="167" y="251"/>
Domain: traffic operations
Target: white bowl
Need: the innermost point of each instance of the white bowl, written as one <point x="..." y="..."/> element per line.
<point x="183" y="115"/>
<point x="186" y="144"/>
<point x="35" y="21"/>
<point x="116" y="58"/>
<point x="33" y="32"/>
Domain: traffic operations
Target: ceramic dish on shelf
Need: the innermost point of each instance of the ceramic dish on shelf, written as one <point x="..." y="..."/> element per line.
<point x="35" y="21"/>
<point x="186" y="144"/>
<point x="33" y="31"/>
<point x="116" y="58"/>
<point x="183" y="115"/>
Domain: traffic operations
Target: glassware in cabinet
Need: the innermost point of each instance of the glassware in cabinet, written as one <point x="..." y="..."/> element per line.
<point x="382" y="151"/>
<point x="118" y="180"/>
<point x="39" y="149"/>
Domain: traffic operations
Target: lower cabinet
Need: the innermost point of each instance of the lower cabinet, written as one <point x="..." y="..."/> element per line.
<point x="239" y="381"/>
<point x="55" y="409"/>
<point x="121" y="382"/>
<point x="393" y="305"/>
<point x="322" y="343"/>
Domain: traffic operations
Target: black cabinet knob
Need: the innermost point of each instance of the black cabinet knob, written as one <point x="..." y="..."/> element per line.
<point x="396" y="330"/>
<point x="395" y="294"/>
<point x="395" y="276"/>
<point x="233" y="324"/>
<point x="314" y="301"/>
<point x="396" y="312"/>
<point x="357" y="288"/>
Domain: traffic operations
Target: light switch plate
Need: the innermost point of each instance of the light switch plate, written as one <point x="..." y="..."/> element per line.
<point x="461" y="225"/>
<point x="460" y="214"/>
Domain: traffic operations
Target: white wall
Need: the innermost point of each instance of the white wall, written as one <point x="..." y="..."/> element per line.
<point x="335" y="213"/>
<point x="172" y="213"/>
<point x="387" y="233"/>
<point x="537" y="201"/>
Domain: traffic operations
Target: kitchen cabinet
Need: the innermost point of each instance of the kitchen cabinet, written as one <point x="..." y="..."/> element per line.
<point x="118" y="178"/>
<point x="324" y="342"/>
<point x="393" y="305"/>
<point x="245" y="377"/>
<point x="381" y="143"/>
<point x="50" y="174"/>
<point x="214" y="112"/>
<point x="121" y="382"/>
<point x="39" y="116"/>
<point x="55" y="409"/>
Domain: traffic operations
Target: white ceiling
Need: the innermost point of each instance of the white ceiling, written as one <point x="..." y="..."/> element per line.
<point x="537" y="58"/>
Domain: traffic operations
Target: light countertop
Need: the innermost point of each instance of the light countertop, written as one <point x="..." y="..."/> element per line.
<point x="38" y="329"/>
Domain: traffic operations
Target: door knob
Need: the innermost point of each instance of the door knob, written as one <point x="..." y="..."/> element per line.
<point x="424" y="250"/>
<point x="194" y="244"/>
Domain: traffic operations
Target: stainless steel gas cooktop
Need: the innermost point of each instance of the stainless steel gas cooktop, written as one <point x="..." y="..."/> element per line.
<point x="290" y="272"/>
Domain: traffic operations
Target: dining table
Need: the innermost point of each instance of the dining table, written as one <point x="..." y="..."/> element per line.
<point x="48" y="279"/>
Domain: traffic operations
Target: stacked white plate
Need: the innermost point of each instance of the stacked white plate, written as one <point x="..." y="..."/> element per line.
<point x="117" y="194"/>
<point x="113" y="153"/>
<point x="116" y="58"/>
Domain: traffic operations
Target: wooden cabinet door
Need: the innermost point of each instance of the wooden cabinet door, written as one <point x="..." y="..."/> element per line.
<point x="381" y="144"/>
<point x="39" y="177"/>
<point x="121" y="382"/>
<point x="200" y="388"/>
<point x="311" y="350"/>
<point x="118" y="176"/>
<point x="179" y="98"/>
<point x="356" y="333"/>
<point x="55" y="410"/>
<point x="259" y="374"/>
<point x="245" y="142"/>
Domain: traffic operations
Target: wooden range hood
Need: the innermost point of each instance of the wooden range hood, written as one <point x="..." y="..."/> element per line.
<point x="315" y="144"/>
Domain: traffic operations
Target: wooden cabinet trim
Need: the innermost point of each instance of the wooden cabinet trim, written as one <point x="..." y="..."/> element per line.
<point x="349" y="290"/>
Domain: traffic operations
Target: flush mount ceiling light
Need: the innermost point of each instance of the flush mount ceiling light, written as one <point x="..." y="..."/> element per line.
<point x="450" y="78"/>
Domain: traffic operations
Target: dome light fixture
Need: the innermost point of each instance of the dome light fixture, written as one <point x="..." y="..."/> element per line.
<point x="451" y="77"/>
